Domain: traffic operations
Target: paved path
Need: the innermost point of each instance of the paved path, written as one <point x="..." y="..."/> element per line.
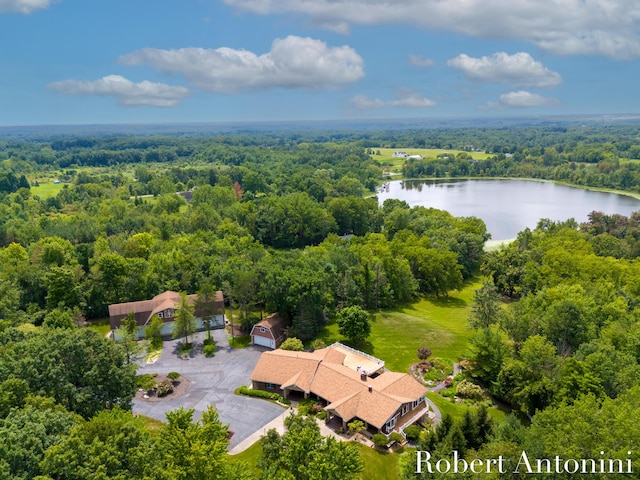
<point x="213" y="381"/>
<point x="278" y="424"/>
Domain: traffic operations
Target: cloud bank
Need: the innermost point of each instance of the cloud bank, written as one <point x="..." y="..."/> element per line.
<point x="23" y="6"/>
<point x="292" y="62"/>
<point x="519" y="70"/>
<point x="520" y="99"/>
<point x="569" y="27"/>
<point x="125" y="91"/>
<point x="405" y="99"/>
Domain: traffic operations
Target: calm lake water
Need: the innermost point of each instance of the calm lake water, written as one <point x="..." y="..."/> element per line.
<point x="508" y="206"/>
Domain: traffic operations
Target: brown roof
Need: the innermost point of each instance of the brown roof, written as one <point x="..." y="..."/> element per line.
<point x="145" y="309"/>
<point x="348" y="393"/>
<point x="275" y="324"/>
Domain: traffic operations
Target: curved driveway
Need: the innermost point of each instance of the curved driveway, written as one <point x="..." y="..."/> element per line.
<point x="213" y="381"/>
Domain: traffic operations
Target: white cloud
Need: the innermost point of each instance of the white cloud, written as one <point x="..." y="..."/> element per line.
<point x="404" y="99"/>
<point x="521" y="99"/>
<point x="23" y="6"/>
<point x="585" y="27"/>
<point x="293" y="62"/>
<point x="420" y="61"/>
<point x="127" y="92"/>
<point x="519" y="69"/>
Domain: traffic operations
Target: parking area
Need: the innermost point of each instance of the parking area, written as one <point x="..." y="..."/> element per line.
<point x="213" y="381"/>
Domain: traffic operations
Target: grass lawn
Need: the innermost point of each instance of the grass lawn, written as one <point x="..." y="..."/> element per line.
<point x="251" y="456"/>
<point x="46" y="190"/>
<point x="239" y="342"/>
<point x="437" y="323"/>
<point x="457" y="411"/>
<point x="152" y="424"/>
<point x="101" y="325"/>
<point x="377" y="466"/>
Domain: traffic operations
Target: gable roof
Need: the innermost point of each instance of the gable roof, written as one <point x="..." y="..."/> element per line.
<point x="348" y="392"/>
<point x="145" y="309"/>
<point x="275" y="324"/>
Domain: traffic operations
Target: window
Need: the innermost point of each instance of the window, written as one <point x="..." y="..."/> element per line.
<point x="405" y="409"/>
<point x="270" y="386"/>
<point x="391" y="423"/>
<point x="160" y="314"/>
<point x="262" y="329"/>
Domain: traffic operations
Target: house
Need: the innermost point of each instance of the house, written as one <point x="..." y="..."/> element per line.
<point x="399" y="154"/>
<point x="348" y="383"/>
<point x="414" y="157"/>
<point x="164" y="307"/>
<point x="269" y="332"/>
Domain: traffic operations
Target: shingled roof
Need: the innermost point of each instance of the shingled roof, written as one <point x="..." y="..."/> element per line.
<point x="349" y="393"/>
<point x="145" y="309"/>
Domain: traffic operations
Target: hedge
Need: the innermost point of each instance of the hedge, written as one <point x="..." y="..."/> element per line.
<point x="251" y="392"/>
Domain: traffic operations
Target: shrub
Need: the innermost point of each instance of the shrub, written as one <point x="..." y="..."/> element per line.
<point x="317" y="344"/>
<point x="146" y="381"/>
<point x="292" y="344"/>
<point x="380" y="439"/>
<point x="412" y="433"/>
<point x="396" y="437"/>
<point x="252" y="392"/>
<point x="184" y="348"/>
<point x="165" y="388"/>
<point x="470" y="390"/>
<point x="173" y="375"/>
<point x="209" y="341"/>
<point x="209" y="350"/>
<point x="322" y="415"/>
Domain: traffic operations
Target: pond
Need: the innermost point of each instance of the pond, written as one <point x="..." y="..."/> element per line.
<point x="508" y="206"/>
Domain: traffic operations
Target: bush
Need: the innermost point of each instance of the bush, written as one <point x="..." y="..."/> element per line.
<point x="209" y="341"/>
<point x="317" y="344"/>
<point x="209" y="350"/>
<point x="165" y="388"/>
<point x="412" y="433"/>
<point x="396" y="438"/>
<point x="252" y="392"/>
<point x="322" y="415"/>
<point x="292" y="344"/>
<point x="173" y="375"/>
<point x="469" y="390"/>
<point x="146" y="381"/>
<point x="185" y="348"/>
<point x="380" y="439"/>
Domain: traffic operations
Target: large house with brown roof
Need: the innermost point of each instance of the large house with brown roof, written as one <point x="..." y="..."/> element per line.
<point x="164" y="307"/>
<point x="350" y="384"/>
<point x="269" y="332"/>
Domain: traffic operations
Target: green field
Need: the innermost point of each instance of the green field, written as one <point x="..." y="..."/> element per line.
<point x="437" y="323"/>
<point x="46" y="190"/>
<point x="386" y="155"/>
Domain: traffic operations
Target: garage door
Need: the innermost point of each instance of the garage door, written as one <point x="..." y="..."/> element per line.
<point x="265" y="342"/>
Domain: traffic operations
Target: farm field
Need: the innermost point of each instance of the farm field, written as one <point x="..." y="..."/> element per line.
<point x="386" y="155"/>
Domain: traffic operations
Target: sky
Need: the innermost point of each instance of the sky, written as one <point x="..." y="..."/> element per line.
<point x="169" y="61"/>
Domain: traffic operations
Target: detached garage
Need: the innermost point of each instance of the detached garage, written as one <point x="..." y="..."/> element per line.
<point x="269" y="332"/>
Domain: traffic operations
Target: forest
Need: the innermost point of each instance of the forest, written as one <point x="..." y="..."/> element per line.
<point x="287" y="221"/>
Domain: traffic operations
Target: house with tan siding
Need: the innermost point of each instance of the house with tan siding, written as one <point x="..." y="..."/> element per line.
<point x="348" y="383"/>
<point x="164" y="307"/>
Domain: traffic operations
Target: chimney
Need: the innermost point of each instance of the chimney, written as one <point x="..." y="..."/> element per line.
<point x="363" y="376"/>
<point x="370" y="389"/>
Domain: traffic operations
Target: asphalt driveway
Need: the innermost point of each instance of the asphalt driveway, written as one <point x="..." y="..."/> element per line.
<point x="213" y="381"/>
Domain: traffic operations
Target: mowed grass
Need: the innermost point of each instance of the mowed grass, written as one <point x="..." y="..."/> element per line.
<point x="386" y="155"/>
<point x="101" y="325"/>
<point x="46" y="190"/>
<point x="437" y="323"/>
<point x="377" y="465"/>
<point x="457" y="411"/>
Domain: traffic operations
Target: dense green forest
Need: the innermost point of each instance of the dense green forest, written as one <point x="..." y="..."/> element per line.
<point x="287" y="221"/>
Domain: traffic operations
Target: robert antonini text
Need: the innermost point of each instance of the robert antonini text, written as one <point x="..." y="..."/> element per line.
<point x="525" y="464"/>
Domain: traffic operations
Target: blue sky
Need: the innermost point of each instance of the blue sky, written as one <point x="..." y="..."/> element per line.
<point x="141" y="61"/>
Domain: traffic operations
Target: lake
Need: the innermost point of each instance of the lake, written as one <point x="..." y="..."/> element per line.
<point x="508" y="206"/>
